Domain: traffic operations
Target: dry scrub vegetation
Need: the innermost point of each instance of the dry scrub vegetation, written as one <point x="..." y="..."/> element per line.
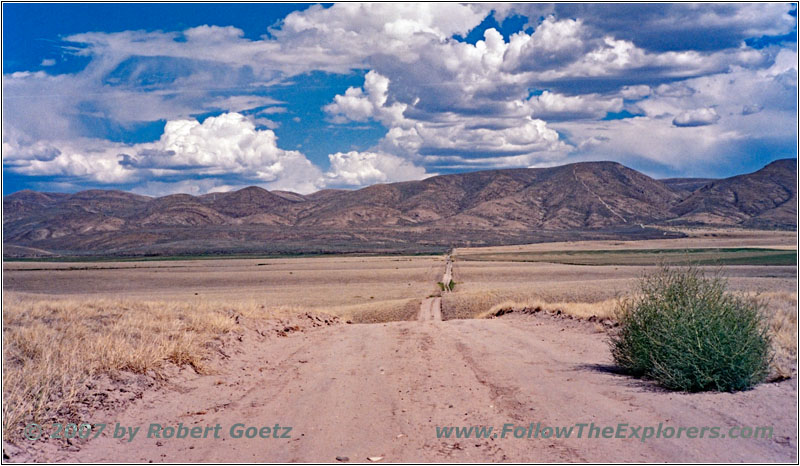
<point x="485" y="287"/>
<point x="382" y="311"/>
<point x="782" y="311"/>
<point x="585" y="291"/>
<point x="53" y="347"/>
<point x="66" y="324"/>
<point x="360" y="289"/>
<point x="697" y="238"/>
<point x="302" y="282"/>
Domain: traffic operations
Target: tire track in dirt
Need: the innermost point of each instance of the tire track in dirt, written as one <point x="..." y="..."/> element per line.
<point x="370" y="390"/>
<point x="430" y="310"/>
<point x="557" y="372"/>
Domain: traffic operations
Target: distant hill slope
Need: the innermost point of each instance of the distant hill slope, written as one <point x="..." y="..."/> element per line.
<point x="576" y="201"/>
<point x="583" y="195"/>
<point x="764" y="199"/>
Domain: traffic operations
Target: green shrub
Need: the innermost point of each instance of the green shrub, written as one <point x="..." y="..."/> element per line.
<point x="452" y="285"/>
<point x="687" y="332"/>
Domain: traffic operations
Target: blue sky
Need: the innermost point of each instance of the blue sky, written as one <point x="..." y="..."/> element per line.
<point x="164" y="98"/>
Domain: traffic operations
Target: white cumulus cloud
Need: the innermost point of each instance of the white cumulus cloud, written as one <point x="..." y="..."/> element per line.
<point x="364" y="168"/>
<point x="227" y="146"/>
<point x="696" y="117"/>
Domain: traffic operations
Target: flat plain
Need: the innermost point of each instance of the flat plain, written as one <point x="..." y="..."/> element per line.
<point x="349" y="287"/>
<point x="266" y="340"/>
<point x="546" y="275"/>
<point x="548" y="272"/>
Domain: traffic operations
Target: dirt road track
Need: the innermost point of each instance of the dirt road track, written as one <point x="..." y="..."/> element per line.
<point x="430" y="310"/>
<point x="379" y="390"/>
<point x="448" y="272"/>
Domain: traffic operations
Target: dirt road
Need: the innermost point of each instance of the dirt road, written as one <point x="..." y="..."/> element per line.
<point x="430" y="310"/>
<point x="380" y="391"/>
<point x="387" y="391"/>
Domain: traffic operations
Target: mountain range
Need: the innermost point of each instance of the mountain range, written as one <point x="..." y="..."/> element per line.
<point x="588" y="200"/>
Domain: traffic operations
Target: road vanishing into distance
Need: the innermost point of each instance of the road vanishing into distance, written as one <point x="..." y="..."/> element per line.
<point x="388" y="392"/>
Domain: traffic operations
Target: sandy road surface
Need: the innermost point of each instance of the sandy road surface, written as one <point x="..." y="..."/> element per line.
<point x="380" y="390"/>
<point x="430" y="310"/>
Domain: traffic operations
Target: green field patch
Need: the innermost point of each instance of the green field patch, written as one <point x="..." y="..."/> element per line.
<point x="696" y="256"/>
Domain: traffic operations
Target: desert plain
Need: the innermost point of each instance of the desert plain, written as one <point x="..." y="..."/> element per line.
<point x="365" y="356"/>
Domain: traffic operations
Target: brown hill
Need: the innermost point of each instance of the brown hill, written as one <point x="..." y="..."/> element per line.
<point x="247" y="201"/>
<point x="577" y="196"/>
<point x="576" y="201"/>
<point x="39" y="216"/>
<point x="25" y="202"/>
<point x="582" y="195"/>
<point x="179" y="210"/>
<point x="104" y="201"/>
<point x="765" y="199"/>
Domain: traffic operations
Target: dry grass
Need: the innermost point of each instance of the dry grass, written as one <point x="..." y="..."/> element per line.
<point x="383" y="311"/>
<point x="52" y="347"/>
<point x="346" y="286"/>
<point x="479" y="304"/>
<point x="782" y="311"/>
<point x="601" y="310"/>
<point x="304" y="282"/>
<point x="65" y="324"/>
<point x="484" y="286"/>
